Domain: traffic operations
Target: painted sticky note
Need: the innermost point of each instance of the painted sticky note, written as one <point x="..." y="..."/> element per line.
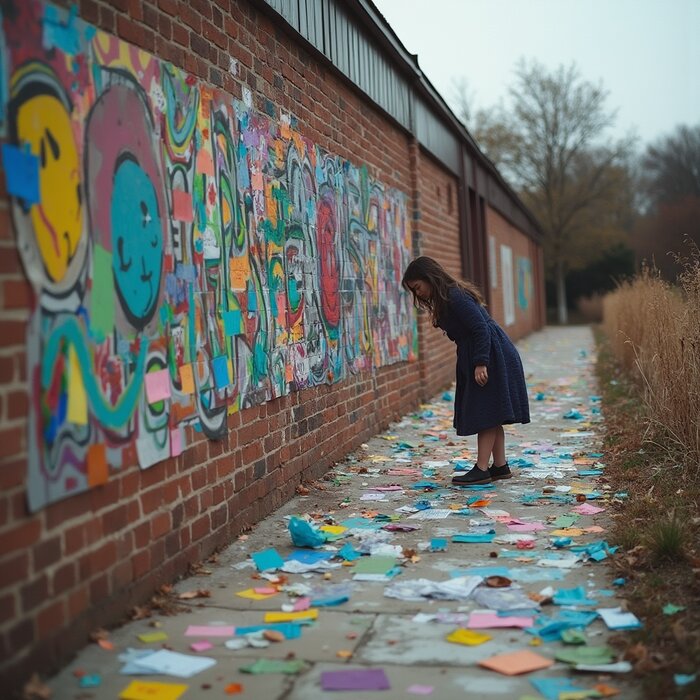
<point x="210" y="631"/>
<point x="201" y="646"/>
<point x="310" y="614"/>
<point x="102" y="294"/>
<point x="21" y="173"/>
<point x="267" y="559"/>
<point x="157" y="385"/>
<point x="182" y="206"/>
<point x="232" y="322"/>
<point x="355" y="679"/>
<point x="149" y="637"/>
<point x="97" y="467"/>
<point x="152" y="690"/>
<point x="516" y="662"/>
<point x="289" y="373"/>
<point x="187" y="379"/>
<point x="205" y="164"/>
<point x="77" y="398"/>
<point x="252" y="299"/>
<point x="220" y="368"/>
<point x="467" y="637"/>
<point x="257" y="180"/>
<point x="176" y="441"/>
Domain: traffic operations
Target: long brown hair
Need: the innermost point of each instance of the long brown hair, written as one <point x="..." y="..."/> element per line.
<point x="441" y="282"/>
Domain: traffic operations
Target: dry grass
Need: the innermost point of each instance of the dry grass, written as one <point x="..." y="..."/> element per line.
<point x="649" y="372"/>
<point x="654" y="332"/>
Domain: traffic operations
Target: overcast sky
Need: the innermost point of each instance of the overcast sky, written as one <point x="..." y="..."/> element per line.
<point x="646" y="53"/>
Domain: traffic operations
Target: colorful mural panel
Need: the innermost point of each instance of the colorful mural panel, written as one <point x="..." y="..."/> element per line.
<point x="525" y="285"/>
<point x="189" y="256"/>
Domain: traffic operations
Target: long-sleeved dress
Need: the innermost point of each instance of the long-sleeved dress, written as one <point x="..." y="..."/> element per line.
<point x="481" y="341"/>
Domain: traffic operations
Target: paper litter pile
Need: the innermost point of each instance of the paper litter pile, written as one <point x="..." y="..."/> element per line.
<point x="387" y="579"/>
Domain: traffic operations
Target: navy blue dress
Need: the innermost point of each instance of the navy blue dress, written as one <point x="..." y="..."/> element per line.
<point x="481" y="341"/>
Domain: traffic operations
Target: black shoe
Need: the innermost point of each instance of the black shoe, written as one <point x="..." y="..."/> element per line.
<point x="472" y="477"/>
<point x="503" y="472"/>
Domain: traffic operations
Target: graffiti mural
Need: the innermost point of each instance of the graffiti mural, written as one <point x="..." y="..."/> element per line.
<point x="189" y="256"/>
<point x="525" y="286"/>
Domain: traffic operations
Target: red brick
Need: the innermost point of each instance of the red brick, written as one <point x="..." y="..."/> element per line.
<point x="141" y="564"/>
<point x="168" y="6"/>
<point x="63" y="579"/>
<point x="17" y="405"/>
<point x="13" y="569"/>
<point x="50" y="619"/>
<point x="142" y="535"/>
<point x="136" y="9"/>
<point x="200" y="528"/>
<point x="101" y="559"/>
<point x="20" y="537"/>
<point x="12" y="441"/>
<point x="78" y="601"/>
<point x="46" y="553"/>
<point x="34" y="594"/>
<point x="114" y="520"/>
<point x="7" y="608"/>
<point x="99" y="590"/>
<point x="160" y="524"/>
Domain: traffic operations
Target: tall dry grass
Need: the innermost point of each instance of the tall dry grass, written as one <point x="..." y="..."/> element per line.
<point x="654" y="331"/>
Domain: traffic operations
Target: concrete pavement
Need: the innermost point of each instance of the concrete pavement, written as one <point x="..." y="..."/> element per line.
<point x="554" y="459"/>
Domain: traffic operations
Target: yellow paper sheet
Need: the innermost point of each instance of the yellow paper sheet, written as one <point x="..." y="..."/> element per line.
<point x="150" y="690"/>
<point x="468" y="637"/>
<point x="77" y="398"/>
<point x="252" y="595"/>
<point x="333" y="529"/>
<point x="149" y="637"/>
<point x="567" y="532"/>
<point x="187" y="379"/>
<point x="310" y="614"/>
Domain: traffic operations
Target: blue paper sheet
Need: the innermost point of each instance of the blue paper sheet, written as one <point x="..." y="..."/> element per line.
<point x="472" y="538"/>
<point x="21" y="173"/>
<point x="220" y="367"/>
<point x="267" y="559"/>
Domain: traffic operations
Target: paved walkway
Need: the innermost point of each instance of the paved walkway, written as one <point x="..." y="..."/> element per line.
<point x="406" y="639"/>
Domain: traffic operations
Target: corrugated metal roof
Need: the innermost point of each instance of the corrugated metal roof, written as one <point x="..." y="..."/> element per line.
<point x="358" y="41"/>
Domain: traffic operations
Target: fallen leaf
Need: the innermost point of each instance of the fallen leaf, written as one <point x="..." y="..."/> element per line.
<point x="273" y="636"/>
<point x="34" y="689"/>
<point x="343" y="654"/>
<point x="233" y="688"/>
<point x="199" y="593"/>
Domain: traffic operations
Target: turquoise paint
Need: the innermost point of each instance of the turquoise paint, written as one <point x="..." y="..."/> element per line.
<point x="110" y="416"/>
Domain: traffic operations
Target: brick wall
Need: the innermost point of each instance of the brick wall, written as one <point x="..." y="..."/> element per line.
<point x="528" y="294"/>
<point x="439" y="238"/>
<point x="81" y="562"/>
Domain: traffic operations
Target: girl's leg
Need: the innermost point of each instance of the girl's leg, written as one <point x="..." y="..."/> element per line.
<point x="499" y="448"/>
<point x="485" y="445"/>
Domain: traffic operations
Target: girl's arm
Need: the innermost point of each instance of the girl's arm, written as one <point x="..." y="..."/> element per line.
<point x="468" y="313"/>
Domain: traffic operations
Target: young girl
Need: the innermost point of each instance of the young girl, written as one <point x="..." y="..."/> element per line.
<point x="491" y="389"/>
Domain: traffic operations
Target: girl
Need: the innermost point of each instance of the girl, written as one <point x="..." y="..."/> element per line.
<point x="491" y="389"/>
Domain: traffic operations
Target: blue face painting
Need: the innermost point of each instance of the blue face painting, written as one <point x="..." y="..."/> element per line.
<point x="137" y="242"/>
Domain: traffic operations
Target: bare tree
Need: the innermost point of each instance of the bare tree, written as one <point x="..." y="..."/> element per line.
<point x="550" y="146"/>
<point x="672" y="166"/>
<point x="670" y="173"/>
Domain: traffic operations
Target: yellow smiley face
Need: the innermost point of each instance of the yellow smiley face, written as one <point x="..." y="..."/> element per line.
<point x="44" y="123"/>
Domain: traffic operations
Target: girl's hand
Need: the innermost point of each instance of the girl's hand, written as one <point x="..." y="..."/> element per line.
<point x="481" y="375"/>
